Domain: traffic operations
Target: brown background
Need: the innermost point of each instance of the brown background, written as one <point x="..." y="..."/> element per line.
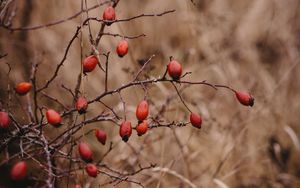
<point x="249" y="45"/>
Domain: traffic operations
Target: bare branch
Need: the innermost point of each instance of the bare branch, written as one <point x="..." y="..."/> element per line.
<point x="31" y="28"/>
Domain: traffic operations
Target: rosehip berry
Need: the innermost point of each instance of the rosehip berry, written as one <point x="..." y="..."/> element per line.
<point x="90" y="63"/>
<point x="4" y="120"/>
<point x="53" y="117"/>
<point x="174" y="69"/>
<point x="81" y="105"/>
<point x="142" y="128"/>
<point x="244" y="98"/>
<point x="18" y="171"/>
<point x="196" y="120"/>
<point x="91" y="169"/>
<point x="125" y="130"/>
<point x="101" y="136"/>
<point x="109" y="15"/>
<point x="122" y="48"/>
<point x="78" y="186"/>
<point x="142" y="110"/>
<point x="85" y="151"/>
<point x="23" y="88"/>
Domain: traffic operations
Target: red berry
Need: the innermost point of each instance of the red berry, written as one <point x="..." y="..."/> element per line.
<point x="90" y="63"/>
<point x="18" y="171"/>
<point x="4" y="120"/>
<point x="244" y="98"/>
<point x="91" y="169"/>
<point x="23" y="88"/>
<point x="142" y="110"/>
<point x="78" y="186"/>
<point x="196" y="120"/>
<point x="109" y="15"/>
<point x="174" y="69"/>
<point x="85" y="151"/>
<point x="81" y="105"/>
<point x="125" y="130"/>
<point x="53" y="117"/>
<point x="142" y="128"/>
<point x="101" y="136"/>
<point x="122" y="48"/>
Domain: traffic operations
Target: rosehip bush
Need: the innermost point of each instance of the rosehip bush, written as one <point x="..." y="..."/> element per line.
<point x="51" y="149"/>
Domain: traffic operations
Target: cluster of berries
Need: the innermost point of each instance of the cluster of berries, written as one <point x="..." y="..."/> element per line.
<point x="174" y="68"/>
<point x="18" y="171"/>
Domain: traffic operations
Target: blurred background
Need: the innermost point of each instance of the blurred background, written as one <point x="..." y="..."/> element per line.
<point x="248" y="45"/>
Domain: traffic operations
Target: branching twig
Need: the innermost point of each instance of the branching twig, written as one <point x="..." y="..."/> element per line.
<point x="4" y="55"/>
<point x="30" y="28"/>
<point x="142" y="68"/>
<point x="61" y="62"/>
<point x="181" y="97"/>
<point x="57" y="150"/>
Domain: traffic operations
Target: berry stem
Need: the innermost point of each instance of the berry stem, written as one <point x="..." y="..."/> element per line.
<point x="224" y="86"/>
<point x="181" y="98"/>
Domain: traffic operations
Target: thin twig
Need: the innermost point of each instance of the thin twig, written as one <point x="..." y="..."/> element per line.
<point x="106" y="70"/>
<point x="181" y="97"/>
<point x="142" y="68"/>
<point x="30" y="28"/>
<point x="124" y="105"/>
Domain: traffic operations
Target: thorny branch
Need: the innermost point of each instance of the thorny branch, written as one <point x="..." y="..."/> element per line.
<point x="36" y="144"/>
<point x="31" y="28"/>
<point x="55" y="74"/>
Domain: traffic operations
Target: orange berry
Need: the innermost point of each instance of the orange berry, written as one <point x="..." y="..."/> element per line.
<point x="23" y="88"/>
<point x="142" y="110"/>
<point x="142" y="128"/>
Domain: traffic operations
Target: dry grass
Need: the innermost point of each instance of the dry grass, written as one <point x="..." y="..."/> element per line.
<point x="249" y="45"/>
